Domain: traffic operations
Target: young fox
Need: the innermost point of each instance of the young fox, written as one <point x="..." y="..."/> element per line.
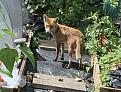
<point x="62" y="33"/>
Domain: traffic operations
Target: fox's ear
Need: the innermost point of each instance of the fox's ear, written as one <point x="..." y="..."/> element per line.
<point x="45" y="17"/>
<point x="56" y="20"/>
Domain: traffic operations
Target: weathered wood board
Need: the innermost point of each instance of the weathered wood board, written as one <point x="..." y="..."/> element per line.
<point x="48" y="43"/>
<point x="109" y="89"/>
<point x="96" y="74"/>
<point x="51" y="82"/>
<point x="97" y="81"/>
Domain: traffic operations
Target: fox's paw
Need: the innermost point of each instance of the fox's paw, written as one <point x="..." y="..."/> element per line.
<point x="62" y="58"/>
<point x="67" y="66"/>
<point x="55" y="60"/>
<point x="81" y="66"/>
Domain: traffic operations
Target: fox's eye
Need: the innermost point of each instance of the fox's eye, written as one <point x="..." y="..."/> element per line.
<point x="51" y="27"/>
<point x="47" y="25"/>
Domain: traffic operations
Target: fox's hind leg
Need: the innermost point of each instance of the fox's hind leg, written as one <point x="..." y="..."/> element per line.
<point x="70" y="56"/>
<point x="57" y="51"/>
<point x="79" y="51"/>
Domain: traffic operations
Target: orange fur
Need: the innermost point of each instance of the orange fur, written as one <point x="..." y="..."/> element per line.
<point x="62" y="33"/>
<point x="102" y="39"/>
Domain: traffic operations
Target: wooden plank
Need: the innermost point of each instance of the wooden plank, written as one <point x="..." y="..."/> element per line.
<point x="21" y="72"/>
<point x="49" y="48"/>
<point x="109" y="89"/>
<point x="22" y="69"/>
<point x="50" y="45"/>
<point x="96" y="74"/>
<point x="51" y="82"/>
<point x="92" y="60"/>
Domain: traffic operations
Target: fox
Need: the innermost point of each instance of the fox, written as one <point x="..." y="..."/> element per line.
<point x="65" y="34"/>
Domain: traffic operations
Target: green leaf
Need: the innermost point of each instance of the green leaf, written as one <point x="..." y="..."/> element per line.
<point x="6" y="72"/>
<point x="31" y="11"/>
<point x="8" y="57"/>
<point x="3" y="89"/>
<point x="27" y="52"/>
<point x="7" y="46"/>
<point x="88" y="69"/>
<point x="9" y="32"/>
<point x="29" y="7"/>
<point x="1" y="36"/>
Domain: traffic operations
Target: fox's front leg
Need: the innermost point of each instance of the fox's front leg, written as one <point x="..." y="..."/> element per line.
<point x="62" y="51"/>
<point x="70" y="57"/>
<point x="57" y="51"/>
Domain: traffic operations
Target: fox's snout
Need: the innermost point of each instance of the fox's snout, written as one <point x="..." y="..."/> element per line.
<point x="47" y="32"/>
<point x="47" y="29"/>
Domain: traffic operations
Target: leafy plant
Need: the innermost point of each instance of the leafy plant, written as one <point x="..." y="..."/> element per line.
<point x="108" y="53"/>
<point x="27" y="52"/>
<point x="105" y="64"/>
<point x="98" y="27"/>
<point x="9" y="32"/>
<point x="10" y="55"/>
<point x="113" y="3"/>
<point x="91" y="17"/>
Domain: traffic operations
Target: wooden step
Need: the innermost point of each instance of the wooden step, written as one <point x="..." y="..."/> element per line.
<point x="51" y="82"/>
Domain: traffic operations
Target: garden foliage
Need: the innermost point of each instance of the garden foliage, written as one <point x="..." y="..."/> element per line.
<point x="95" y="18"/>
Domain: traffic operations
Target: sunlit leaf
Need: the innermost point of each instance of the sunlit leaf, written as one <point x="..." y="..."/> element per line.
<point x="6" y="72"/>
<point x="88" y="69"/>
<point x="29" y="7"/>
<point x="31" y="11"/>
<point x="7" y="46"/>
<point x="9" y="32"/>
<point x="1" y="36"/>
<point x="8" y="57"/>
<point x="27" y="52"/>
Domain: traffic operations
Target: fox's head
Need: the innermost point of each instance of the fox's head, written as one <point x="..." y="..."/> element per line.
<point x="51" y="24"/>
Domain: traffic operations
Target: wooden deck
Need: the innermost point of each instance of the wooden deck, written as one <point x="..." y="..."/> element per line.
<point x="51" y="82"/>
